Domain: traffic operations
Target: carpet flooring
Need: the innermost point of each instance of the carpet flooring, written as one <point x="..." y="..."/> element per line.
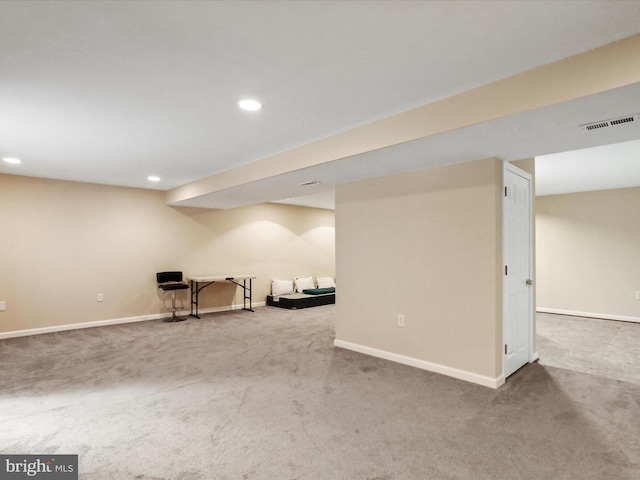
<point x="606" y="348"/>
<point x="265" y="395"/>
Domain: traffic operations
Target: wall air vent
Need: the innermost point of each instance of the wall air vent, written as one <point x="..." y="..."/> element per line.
<point x="611" y="123"/>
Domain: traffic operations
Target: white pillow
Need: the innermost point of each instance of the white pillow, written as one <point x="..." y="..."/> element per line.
<point x="304" y="283"/>
<point x="325" y="282"/>
<point x="281" y="287"/>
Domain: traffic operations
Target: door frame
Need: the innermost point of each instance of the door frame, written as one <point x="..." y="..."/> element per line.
<point x="533" y="355"/>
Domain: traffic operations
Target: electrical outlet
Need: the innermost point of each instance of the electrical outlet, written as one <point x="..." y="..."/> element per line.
<point x="3" y="306"/>
<point x="400" y="320"/>
<point x="100" y="297"/>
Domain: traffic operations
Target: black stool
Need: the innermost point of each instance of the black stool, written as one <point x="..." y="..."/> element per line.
<point x="170" y="282"/>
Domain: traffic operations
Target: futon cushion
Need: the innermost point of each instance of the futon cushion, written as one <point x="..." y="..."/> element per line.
<point x="304" y="283"/>
<point x="281" y="287"/>
<point x="319" y="291"/>
<point x="325" y="282"/>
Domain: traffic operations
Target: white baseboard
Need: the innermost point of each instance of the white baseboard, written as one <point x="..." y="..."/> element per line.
<point x="604" y="316"/>
<point x="422" y="364"/>
<point x="115" y="321"/>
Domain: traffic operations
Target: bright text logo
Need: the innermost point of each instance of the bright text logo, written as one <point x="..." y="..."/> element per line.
<point x="49" y="467"/>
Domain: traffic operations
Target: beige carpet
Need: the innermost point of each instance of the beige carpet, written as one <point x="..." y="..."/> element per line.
<point x="265" y="395"/>
<point x="606" y="348"/>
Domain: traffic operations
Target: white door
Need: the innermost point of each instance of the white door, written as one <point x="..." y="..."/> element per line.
<point x="517" y="268"/>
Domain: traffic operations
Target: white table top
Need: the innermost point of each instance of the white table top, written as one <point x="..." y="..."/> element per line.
<point x="218" y="278"/>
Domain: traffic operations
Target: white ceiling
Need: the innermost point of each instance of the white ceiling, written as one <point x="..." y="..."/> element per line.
<point x="111" y="92"/>
<point x="598" y="168"/>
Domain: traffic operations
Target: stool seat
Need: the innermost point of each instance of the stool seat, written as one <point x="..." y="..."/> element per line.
<point x="167" y="287"/>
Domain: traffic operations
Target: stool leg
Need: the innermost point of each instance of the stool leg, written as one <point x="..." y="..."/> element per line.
<point x="174" y="317"/>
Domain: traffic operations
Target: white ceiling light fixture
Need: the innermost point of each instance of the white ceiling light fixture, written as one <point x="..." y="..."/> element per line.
<point x="14" y="161"/>
<point x="250" y="105"/>
<point x="153" y="178"/>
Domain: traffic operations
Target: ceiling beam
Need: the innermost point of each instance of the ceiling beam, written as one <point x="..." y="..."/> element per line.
<point x="599" y="70"/>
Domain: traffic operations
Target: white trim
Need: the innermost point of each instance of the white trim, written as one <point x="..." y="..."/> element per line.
<point x="114" y="321"/>
<point x="604" y="316"/>
<point x="422" y="364"/>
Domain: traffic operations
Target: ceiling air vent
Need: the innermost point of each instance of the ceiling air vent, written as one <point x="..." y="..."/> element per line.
<point x="310" y="183"/>
<point x="611" y="123"/>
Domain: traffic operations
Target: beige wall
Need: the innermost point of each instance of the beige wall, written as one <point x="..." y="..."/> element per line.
<point x="428" y="245"/>
<point x="588" y="252"/>
<point x="526" y="164"/>
<point x="62" y="243"/>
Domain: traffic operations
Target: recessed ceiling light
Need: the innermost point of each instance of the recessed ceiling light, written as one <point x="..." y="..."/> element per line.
<point x="12" y="160"/>
<point x="250" y="105"/>
<point x="153" y="178"/>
